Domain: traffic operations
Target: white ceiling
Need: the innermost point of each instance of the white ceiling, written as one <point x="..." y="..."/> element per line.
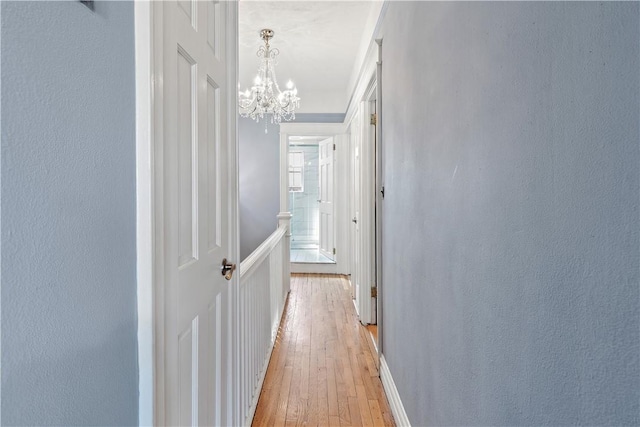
<point x="322" y="45"/>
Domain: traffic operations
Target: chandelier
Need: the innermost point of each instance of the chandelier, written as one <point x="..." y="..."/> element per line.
<point x="265" y="96"/>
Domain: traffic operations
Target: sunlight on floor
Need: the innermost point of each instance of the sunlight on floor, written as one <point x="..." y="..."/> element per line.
<point x="309" y="255"/>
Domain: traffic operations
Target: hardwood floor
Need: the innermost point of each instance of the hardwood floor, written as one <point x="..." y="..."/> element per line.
<point x="322" y="371"/>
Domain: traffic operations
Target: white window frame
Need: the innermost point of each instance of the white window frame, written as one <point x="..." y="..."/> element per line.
<point x="296" y="169"/>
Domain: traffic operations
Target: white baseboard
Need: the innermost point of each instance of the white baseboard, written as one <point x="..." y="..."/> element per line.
<point x="399" y="414"/>
<point x="310" y="267"/>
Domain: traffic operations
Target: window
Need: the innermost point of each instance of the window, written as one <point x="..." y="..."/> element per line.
<point x="296" y="171"/>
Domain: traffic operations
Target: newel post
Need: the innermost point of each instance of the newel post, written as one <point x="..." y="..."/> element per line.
<point x="284" y="221"/>
<point x="284" y="217"/>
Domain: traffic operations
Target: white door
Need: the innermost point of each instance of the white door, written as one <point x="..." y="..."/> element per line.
<point x="372" y="188"/>
<point x="355" y="153"/>
<point x="198" y="130"/>
<point x="364" y="195"/>
<point x="326" y="244"/>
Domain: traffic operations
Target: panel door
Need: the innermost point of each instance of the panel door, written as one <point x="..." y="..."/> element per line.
<point x="355" y="269"/>
<point x="326" y="198"/>
<point x="372" y="229"/>
<point x="196" y="200"/>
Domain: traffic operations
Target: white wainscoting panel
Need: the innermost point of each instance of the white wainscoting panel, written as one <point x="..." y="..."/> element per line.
<point x="263" y="293"/>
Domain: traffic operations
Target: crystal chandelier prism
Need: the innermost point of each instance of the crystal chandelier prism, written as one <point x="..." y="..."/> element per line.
<point x="265" y="96"/>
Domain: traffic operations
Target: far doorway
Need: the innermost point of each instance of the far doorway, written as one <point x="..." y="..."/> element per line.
<point x="311" y="199"/>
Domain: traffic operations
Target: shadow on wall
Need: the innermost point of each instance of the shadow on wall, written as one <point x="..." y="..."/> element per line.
<point x="259" y="182"/>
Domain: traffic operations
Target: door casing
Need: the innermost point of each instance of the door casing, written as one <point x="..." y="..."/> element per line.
<point x="341" y="193"/>
<point x="364" y="193"/>
<point x="369" y="87"/>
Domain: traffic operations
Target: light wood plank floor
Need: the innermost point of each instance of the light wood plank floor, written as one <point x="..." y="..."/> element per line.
<point x="322" y="371"/>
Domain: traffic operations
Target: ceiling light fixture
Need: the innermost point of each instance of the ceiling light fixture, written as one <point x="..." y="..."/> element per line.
<point x="265" y="96"/>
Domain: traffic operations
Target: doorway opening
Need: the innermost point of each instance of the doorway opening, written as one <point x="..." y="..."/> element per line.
<point x="309" y="188"/>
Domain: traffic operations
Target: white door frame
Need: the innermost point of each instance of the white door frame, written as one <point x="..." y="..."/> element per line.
<point x="366" y="267"/>
<point x="379" y="196"/>
<point x="149" y="216"/>
<point x="354" y="204"/>
<point x="341" y="208"/>
<point x="144" y="209"/>
<point x="369" y="87"/>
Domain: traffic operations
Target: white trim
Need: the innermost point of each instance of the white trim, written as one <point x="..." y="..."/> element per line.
<point x="397" y="409"/>
<point x="363" y="64"/>
<point x="369" y="30"/>
<point x="311" y="129"/>
<point x="284" y="221"/>
<point x="314" y="267"/>
<point x="341" y="209"/>
<point x="157" y="195"/>
<point x="367" y="210"/>
<point x="252" y="332"/>
<point x="284" y="172"/>
<point x="261" y="252"/>
<point x="233" y="157"/>
<point x="377" y="187"/>
<point x="144" y="210"/>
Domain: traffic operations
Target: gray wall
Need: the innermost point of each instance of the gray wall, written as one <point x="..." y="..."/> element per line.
<point x="319" y="118"/>
<point x="68" y="214"/>
<point x="259" y="183"/>
<point x="511" y="228"/>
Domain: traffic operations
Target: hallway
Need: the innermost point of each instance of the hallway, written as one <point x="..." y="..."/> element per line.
<point x="322" y="371"/>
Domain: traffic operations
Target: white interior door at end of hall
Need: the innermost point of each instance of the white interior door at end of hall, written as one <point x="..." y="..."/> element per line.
<point x="326" y="238"/>
<point x="196" y="197"/>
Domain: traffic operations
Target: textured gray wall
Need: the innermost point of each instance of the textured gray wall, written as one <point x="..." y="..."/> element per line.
<point x="511" y="228"/>
<point x="259" y="183"/>
<point x="68" y="214"/>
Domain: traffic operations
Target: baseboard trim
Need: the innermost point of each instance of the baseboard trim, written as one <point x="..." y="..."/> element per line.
<point x="399" y="414"/>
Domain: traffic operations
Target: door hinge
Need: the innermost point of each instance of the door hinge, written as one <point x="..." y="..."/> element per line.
<point x="334" y="251"/>
<point x="374" y="292"/>
<point x="374" y="119"/>
<point x="382" y="191"/>
<point x="334" y="147"/>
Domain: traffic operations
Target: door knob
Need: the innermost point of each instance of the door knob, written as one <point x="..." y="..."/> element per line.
<point x="354" y="220"/>
<point x="227" y="269"/>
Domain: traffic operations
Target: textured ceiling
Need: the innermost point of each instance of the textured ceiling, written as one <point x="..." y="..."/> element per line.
<point x="319" y="43"/>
